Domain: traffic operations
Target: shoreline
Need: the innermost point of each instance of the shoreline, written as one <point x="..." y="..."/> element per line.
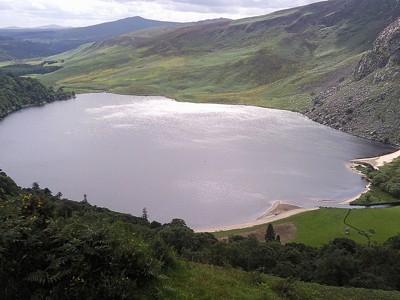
<point x="280" y="210"/>
<point x="270" y="215"/>
<point x="377" y="161"/>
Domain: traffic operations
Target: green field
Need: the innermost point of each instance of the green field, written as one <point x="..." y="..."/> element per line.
<point x="318" y="227"/>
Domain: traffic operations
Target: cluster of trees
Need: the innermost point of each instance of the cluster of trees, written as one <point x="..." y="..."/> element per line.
<point x="18" y="92"/>
<point x="342" y="262"/>
<point x="387" y="178"/>
<point x="24" y="69"/>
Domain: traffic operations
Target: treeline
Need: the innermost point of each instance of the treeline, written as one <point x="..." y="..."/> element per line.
<point x="54" y="247"/>
<point x="342" y="262"/>
<point x="385" y="185"/>
<point x="387" y="178"/>
<point x="18" y="92"/>
<point x="24" y="69"/>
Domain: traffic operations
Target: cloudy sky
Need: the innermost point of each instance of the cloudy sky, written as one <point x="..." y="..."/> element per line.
<point x="31" y="13"/>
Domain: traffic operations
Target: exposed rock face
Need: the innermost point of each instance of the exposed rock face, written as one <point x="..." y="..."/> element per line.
<point x="366" y="102"/>
<point x="386" y="50"/>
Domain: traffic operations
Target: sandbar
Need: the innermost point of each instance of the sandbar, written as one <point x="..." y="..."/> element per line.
<point x="377" y="161"/>
<point x="277" y="211"/>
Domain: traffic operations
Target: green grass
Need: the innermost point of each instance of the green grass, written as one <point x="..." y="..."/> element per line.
<point x="321" y="226"/>
<point x="315" y="228"/>
<point x="196" y="281"/>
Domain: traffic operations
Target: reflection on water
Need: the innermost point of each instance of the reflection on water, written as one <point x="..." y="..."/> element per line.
<point x="208" y="164"/>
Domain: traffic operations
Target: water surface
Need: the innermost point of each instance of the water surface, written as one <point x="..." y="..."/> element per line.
<point x="208" y="164"/>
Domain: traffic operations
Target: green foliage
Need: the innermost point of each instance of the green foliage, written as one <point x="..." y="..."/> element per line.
<point x="18" y="92"/>
<point x="7" y="186"/>
<point x="57" y="248"/>
<point x="387" y="178"/>
<point x="270" y="233"/>
<point x="341" y="262"/>
<point x="64" y="249"/>
<point x="385" y="183"/>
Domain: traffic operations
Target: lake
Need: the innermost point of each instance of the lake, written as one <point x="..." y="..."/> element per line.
<point x="208" y="164"/>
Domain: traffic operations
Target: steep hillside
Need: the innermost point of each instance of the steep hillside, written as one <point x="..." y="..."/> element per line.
<point x="17" y="92"/>
<point x="367" y="102"/>
<point x="281" y="60"/>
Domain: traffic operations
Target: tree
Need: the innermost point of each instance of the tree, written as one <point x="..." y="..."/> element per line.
<point x="278" y="238"/>
<point x="270" y="233"/>
<point x="84" y="199"/>
<point x="35" y="186"/>
<point x="145" y="214"/>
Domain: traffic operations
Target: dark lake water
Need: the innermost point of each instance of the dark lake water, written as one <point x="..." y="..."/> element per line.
<point x="208" y="164"/>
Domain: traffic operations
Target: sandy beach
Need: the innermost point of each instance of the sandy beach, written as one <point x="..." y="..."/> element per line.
<point x="280" y="210"/>
<point x="377" y="161"/>
<point x="277" y="211"/>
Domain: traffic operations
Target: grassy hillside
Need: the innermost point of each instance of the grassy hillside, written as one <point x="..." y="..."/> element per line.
<point x="196" y="281"/>
<point x="282" y="60"/>
<point x="217" y="62"/>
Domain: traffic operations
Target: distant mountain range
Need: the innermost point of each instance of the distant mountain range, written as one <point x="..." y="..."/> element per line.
<point x="51" y="26"/>
<point x="20" y="43"/>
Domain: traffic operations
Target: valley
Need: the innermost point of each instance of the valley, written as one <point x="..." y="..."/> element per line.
<point x="238" y="137"/>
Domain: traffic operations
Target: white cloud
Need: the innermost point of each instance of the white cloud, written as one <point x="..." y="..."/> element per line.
<point x="30" y="13"/>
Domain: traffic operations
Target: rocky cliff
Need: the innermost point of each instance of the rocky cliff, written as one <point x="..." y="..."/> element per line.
<point x="385" y="52"/>
<point x="365" y="101"/>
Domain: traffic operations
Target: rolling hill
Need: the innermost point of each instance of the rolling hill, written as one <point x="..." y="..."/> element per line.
<point x="298" y="59"/>
<point x="19" y="43"/>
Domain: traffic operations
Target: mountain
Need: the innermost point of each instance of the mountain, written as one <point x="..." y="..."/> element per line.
<point x="50" y="40"/>
<point x="367" y="103"/>
<point x="53" y="26"/>
<point x="303" y="59"/>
